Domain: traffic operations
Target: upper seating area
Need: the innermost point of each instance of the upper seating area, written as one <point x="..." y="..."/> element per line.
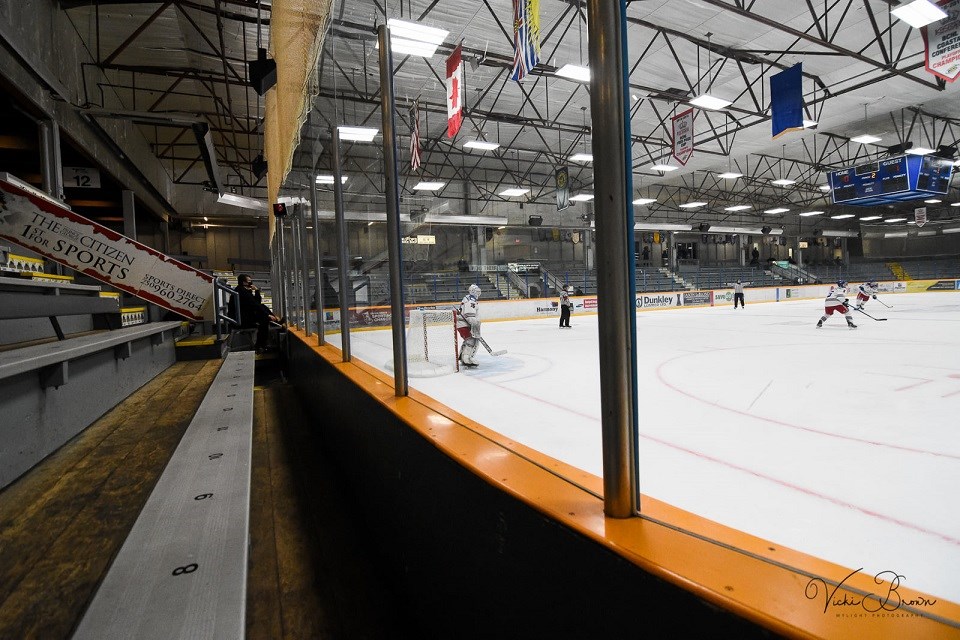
<point x="931" y="268"/>
<point x="699" y="277"/>
<point x="449" y="286"/>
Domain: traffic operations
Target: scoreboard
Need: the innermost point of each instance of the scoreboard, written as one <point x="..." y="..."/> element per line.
<point x="907" y="177"/>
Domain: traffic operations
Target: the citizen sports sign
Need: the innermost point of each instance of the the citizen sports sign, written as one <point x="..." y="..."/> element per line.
<point x="63" y="236"/>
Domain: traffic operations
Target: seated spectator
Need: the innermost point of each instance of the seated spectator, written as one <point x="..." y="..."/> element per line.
<point x="253" y="313"/>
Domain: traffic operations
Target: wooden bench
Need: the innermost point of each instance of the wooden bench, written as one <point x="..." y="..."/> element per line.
<point x="182" y="571"/>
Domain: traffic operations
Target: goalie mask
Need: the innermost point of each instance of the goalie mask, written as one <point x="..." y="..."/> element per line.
<point x="474" y="290"/>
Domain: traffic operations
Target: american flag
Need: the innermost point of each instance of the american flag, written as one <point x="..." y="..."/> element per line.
<point x="415" y="136"/>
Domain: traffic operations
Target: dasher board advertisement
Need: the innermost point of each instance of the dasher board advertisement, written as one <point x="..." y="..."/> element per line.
<point x="87" y="247"/>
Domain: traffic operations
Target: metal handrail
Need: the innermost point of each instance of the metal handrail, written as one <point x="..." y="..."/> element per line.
<point x="221" y="298"/>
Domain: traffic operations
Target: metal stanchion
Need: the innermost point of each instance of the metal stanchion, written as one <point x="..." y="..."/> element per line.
<point x="317" y="261"/>
<point x="344" y="280"/>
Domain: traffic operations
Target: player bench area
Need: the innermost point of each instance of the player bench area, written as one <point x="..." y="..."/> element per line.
<point x="182" y="571"/>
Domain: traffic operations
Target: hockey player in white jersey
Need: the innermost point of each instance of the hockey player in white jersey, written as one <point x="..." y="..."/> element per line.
<point x="837" y="301"/>
<point x="866" y="291"/>
<point x="468" y="325"/>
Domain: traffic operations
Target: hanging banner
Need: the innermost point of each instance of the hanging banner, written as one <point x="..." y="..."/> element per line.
<point x="786" y="100"/>
<point x="415" y="136"/>
<point x="87" y="247"/>
<point x="526" y="37"/>
<point x="920" y="216"/>
<point x="683" y="136"/>
<point x="941" y="42"/>
<point x="563" y="188"/>
<point x="454" y="92"/>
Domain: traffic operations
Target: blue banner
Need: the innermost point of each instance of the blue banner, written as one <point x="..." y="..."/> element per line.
<point x="786" y="100"/>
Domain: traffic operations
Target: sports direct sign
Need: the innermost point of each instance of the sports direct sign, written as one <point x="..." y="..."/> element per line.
<point x="85" y="246"/>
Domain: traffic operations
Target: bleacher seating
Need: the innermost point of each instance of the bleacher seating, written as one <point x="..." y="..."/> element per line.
<point x="182" y="571"/>
<point x="28" y="298"/>
<point x="700" y="277"/>
<point x="449" y="286"/>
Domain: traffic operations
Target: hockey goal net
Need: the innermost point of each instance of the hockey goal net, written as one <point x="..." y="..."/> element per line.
<point x="432" y="343"/>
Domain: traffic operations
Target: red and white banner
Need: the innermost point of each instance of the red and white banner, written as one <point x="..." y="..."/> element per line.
<point x="454" y="92"/>
<point x="87" y="247"/>
<point x="941" y="42"/>
<point x="683" y="136"/>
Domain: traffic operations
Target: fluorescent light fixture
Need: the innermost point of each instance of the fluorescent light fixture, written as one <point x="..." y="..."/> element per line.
<point x="809" y="123"/>
<point x="933" y="201"/>
<point x="955" y="204"/>
<point x="829" y="233"/>
<point x="729" y="175"/>
<point x="573" y="72"/>
<point x="664" y="226"/>
<point x="895" y="220"/>
<point x="358" y="134"/>
<point x="369" y="224"/>
<point x="663" y="167"/>
<point x="410" y="47"/>
<point x="824" y="187"/>
<point x="328" y="179"/>
<point x="920" y="151"/>
<point x="953" y="230"/>
<point x="706" y="101"/>
<point x="842" y="216"/>
<point x="783" y="182"/>
<point x="489" y="221"/>
<point x="919" y="13"/>
<point x="806" y="214"/>
<point x="416" y="31"/>
<point x="513" y="192"/>
<point x="481" y="144"/>
<point x="242" y="201"/>
<point x="895" y="234"/>
<point x="756" y="231"/>
<point x="866" y="139"/>
<point x="428" y="186"/>
<point x="738" y="207"/>
<point x="652" y="200"/>
<point x="581" y="157"/>
<point x="777" y="210"/>
<point x="868" y="218"/>
<point x="911" y="222"/>
<point x="582" y="197"/>
<point x="503" y="227"/>
<point x="692" y="205"/>
<point x="206" y="219"/>
<point x="360" y="216"/>
<point x="928" y="232"/>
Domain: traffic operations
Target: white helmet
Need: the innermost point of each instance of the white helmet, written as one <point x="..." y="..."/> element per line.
<point x="474" y="290"/>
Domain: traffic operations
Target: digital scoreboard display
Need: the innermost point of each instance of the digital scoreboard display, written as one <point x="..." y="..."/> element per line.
<point x="897" y="179"/>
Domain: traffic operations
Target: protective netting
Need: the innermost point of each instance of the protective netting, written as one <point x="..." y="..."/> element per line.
<point x="431" y="343"/>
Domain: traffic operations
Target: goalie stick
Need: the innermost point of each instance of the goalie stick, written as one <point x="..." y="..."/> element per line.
<point x="489" y="350"/>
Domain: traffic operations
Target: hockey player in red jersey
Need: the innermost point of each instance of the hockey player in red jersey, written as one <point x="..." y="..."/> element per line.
<point x="837" y="301"/>
<point x="866" y="291"/>
<point x="468" y="325"/>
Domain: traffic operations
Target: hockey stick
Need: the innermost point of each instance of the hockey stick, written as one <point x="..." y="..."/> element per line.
<point x="888" y="306"/>
<point x="868" y="315"/>
<point x="489" y="350"/>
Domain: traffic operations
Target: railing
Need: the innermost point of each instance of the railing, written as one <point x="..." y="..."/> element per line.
<point x="222" y="297"/>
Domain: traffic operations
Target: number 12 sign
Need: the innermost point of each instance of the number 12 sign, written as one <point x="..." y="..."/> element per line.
<point x="81" y="178"/>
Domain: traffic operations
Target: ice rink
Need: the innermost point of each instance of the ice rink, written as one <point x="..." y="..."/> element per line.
<point x="843" y="444"/>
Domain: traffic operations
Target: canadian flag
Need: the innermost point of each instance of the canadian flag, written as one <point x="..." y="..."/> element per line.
<point x="454" y="92"/>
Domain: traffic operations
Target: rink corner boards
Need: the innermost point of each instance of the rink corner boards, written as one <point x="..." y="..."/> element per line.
<point x="507" y="510"/>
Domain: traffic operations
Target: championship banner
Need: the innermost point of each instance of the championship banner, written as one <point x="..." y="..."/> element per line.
<point x="941" y="42"/>
<point x="563" y="188"/>
<point x="683" y="136"/>
<point x="526" y="37"/>
<point x="87" y="247"/>
<point x="920" y="216"/>
<point x="454" y="92"/>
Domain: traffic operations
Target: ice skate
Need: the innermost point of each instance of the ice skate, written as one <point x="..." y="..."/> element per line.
<point x="851" y="325"/>
<point x="819" y="324"/>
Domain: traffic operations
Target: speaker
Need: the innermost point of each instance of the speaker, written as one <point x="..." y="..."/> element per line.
<point x="765" y="230"/>
<point x="263" y="72"/>
<point x="704" y="227"/>
<point x="259" y="167"/>
<point x="280" y="209"/>
<point x="535" y="221"/>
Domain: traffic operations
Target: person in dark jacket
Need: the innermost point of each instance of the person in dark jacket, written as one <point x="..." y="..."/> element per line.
<point x="253" y="313"/>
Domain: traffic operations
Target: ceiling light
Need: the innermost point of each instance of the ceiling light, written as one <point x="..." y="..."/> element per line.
<point x="809" y="123"/>
<point x="729" y="175"/>
<point x="928" y="232"/>
<point x="868" y="218"/>
<point x="824" y="187"/>
<point x="428" y="186"/>
<point x="955" y="204"/>
<point x="206" y="219"/>
<point x="416" y="31"/>
<point x="895" y="234"/>
<point x="410" y="47"/>
<point x="321" y="179"/>
<point x="811" y="213"/>
<point x="480" y="144"/>
<point x="920" y="151"/>
<point x="756" y="231"/>
<point x="895" y="220"/>
<point x="581" y="157"/>
<point x="953" y="230"/>
<point x="243" y="202"/>
<point x="933" y="201"/>
<point x="706" y="101"/>
<point x="574" y="72"/>
<point x="503" y="227"/>
<point x="582" y="197"/>
<point x="777" y="210"/>
<point x="513" y="192"/>
<point x="842" y="216"/>
<point x="866" y="139"/>
<point x="667" y="226"/>
<point x="919" y="13"/>
<point x="738" y="207"/>
<point x="663" y="167"/>
<point x="839" y="234"/>
<point x="651" y="200"/>
<point x="358" y="134"/>
<point x="783" y="182"/>
<point x="692" y="205"/>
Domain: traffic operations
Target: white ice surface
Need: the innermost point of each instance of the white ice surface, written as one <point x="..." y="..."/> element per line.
<point x="843" y="444"/>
